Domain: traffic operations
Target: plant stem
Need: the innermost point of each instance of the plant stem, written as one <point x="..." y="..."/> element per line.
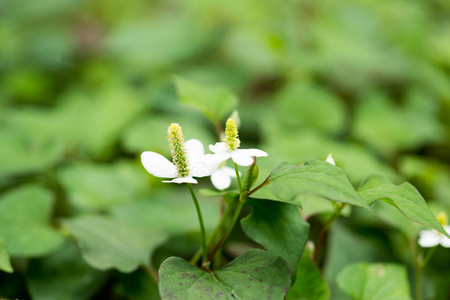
<point x="325" y="229"/>
<point x="226" y="233"/>
<point x="218" y="229"/>
<point x="418" y="259"/>
<point x="200" y="220"/>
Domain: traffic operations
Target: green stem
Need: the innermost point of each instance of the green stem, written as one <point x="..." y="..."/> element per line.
<point x="226" y="233"/>
<point x="200" y="220"/>
<point x="216" y="232"/>
<point x="418" y="266"/>
<point x="427" y="257"/>
<point x="325" y="229"/>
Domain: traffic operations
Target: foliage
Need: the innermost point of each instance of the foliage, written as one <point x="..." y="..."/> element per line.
<point x="87" y="86"/>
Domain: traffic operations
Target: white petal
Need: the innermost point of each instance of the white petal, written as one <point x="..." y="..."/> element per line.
<point x="158" y="165"/>
<point x="219" y="148"/>
<point x="252" y="152"/>
<point x="201" y="169"/>
<point x="220" y="179"/>
<point x="215" y="158"/>
<point x="195" y="150"/>
<point x="429" y="238"/>
<point x="330" y="159"/>
<point x="230" y="171"/>
<point x="241" y="159"/>
<point x="187" y="179"/>
<point x="445" y="241"/>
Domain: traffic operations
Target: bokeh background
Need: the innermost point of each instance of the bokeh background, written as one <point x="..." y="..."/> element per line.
<point x="86" y="86"/>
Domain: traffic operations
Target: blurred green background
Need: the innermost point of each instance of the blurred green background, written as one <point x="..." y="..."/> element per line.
<point x="86" y="86"/>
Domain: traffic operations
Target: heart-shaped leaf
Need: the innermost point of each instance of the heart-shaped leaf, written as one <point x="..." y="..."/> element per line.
<point x="256" y="274"/>
<point x="313" y="177"/>
<point x="279" y="228"/>
<point x="107" y="243"/>
<point x="404" y="196"/>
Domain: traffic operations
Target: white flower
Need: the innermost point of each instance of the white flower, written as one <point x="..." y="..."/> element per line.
<point x="186" y="158"/>
<point x="242" y="157"/>
<point x="432" y="238"/>
<point x="221" y="178"/>
<point x="330" y="159"/>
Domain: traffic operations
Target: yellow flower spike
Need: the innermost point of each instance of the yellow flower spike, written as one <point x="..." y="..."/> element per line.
<point x="442" y="218"/>
<point x="177" y="149"/>
<point x="231" y="135"/>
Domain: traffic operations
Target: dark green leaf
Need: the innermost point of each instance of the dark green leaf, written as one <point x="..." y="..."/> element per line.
<point x="63" y="276"/>
<point x="279" y="228"/>
<point x="255" y="275"/>
<point x="139" y="285"/>
<point x="364" y="281"/>
<point x="404" y="196"/>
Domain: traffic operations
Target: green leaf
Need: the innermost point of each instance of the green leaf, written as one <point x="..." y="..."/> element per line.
<point x="24" y="222"/>
<point x="279" y="228"/>
<point x="63" y="276"/>
<point x="107" y="243"/>
<point x="23" y="153"/>
<point x="101" y="186"/>
<point x="313" y="177"/>
<point x="5" y="264"/>
<point x="364" y="281"/>
<point x="214" y="102"/>
<point x="404" y="196"/>
<point x="256" y="274"/>
<point x="310" y="285"/>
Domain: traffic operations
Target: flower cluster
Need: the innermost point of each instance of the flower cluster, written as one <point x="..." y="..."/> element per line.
<point x="189" y="159"/>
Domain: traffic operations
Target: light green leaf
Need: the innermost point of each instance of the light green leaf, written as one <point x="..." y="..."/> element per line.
<point x="256" y="274"/>
<point x="23" y="153"/>
<point x="214" y="102"/>
<point x="309" y="285"/>
<point x="5" y="264"/>
<point x="107" y="243"/>
<point x="63" y="276"/>
<point x="404" y="196"/>
<point x="313" y="177"/>
<point x="279" y="228"/>
<point x="24" y="222"/>
<point x="364" y="281"/>
<point x="101" y="186"/>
